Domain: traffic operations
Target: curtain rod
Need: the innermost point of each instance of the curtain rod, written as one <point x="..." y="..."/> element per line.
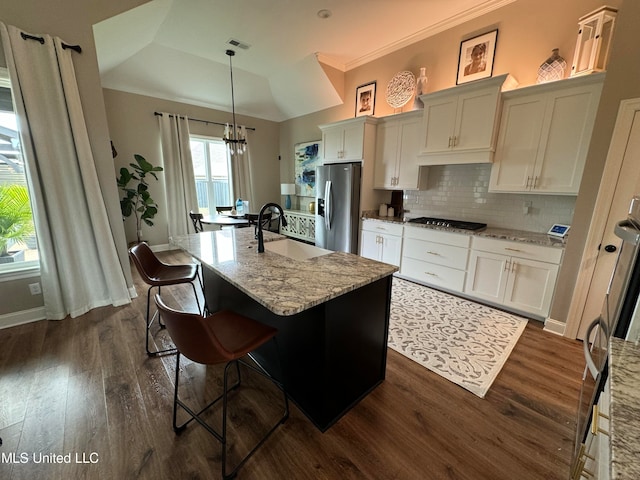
<point x="203" y="121"/>
<point x="26" y="36"/>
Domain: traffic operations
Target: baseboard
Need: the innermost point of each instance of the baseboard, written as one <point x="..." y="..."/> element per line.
<point x="20" y="318"/>
<point x="555" y="326"/>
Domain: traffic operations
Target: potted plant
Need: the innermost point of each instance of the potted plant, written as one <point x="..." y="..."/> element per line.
<point x="137" y="199"/>
<point x="16" y="220"/>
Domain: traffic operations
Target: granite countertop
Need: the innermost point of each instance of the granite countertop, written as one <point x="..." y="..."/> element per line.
<point x="497" y="233"/>
<point x="624" y="426"/>
<point x="283" y="285"/>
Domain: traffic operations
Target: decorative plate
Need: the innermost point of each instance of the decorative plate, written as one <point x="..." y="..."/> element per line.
<point x="401" y="88"/>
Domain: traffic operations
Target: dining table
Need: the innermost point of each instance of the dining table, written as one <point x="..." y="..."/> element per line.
<point x="226" y="220"/>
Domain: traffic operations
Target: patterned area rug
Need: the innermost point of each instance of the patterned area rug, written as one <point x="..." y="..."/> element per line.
<point x="464" y="342"/>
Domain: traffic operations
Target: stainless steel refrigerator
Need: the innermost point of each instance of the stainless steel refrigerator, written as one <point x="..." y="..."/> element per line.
<point x="338" y="206"/>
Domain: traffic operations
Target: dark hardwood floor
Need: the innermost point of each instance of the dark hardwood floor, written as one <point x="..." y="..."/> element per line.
<point x="84" y="390"/>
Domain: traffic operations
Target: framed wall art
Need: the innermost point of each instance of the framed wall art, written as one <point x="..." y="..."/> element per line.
<point x="476" y="57"/>
<point x="366" y="99"/>
<point x="306" y="159"/>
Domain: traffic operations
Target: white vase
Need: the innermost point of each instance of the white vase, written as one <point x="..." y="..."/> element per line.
<point x="552" y="68"/>
<point x="421" y="89"/>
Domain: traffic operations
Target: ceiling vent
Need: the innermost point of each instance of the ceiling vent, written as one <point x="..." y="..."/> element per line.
<point x="237" y="43"/>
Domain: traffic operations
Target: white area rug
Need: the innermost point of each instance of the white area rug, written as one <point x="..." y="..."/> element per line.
<point x="463" y="341"/>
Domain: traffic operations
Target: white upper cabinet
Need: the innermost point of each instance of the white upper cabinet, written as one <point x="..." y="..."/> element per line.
<point x="459" y="123"/>
<point x="397" y="148"/>
<point x="348" y="140"/>
<point x="544" y="136"/>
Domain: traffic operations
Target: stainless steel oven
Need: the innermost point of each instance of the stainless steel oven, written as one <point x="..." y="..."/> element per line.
<point x="618" y="318"/>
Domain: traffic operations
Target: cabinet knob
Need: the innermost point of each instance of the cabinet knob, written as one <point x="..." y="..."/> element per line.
<point x="610" y="248"/>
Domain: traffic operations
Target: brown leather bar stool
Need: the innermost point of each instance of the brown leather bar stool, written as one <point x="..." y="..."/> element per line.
<point x="222" y="337"/>
<point x="156" y="273"/>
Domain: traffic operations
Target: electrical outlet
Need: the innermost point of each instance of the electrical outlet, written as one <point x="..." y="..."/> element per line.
<point x="35" y="289"/>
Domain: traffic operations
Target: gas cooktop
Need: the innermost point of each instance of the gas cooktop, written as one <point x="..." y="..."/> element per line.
<point x="443" y="222"/>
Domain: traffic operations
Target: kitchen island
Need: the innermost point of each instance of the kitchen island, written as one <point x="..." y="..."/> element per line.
<point x="331" y="310"/>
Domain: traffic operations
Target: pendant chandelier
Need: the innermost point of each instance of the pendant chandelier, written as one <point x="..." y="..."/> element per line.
<point x="234" y="136"/>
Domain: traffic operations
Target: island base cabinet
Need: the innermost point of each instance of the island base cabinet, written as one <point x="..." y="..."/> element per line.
<point x="328" y="357"/>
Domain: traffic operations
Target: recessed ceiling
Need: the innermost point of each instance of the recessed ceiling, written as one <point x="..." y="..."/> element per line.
<point x="175" y="49"/>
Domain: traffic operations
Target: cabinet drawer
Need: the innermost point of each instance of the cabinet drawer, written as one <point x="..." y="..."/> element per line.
<point x="430" y="273"/>
<point x="517" y="249"/>
<point x="382" y="227"/>
<point x="437" y="236"/>
<point x="438" y="253"/>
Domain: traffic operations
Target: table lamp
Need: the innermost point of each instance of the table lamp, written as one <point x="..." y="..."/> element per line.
<point x="287" y="189"/>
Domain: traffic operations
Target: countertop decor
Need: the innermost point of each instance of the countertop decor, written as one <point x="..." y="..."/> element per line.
<point x="624" y="371"/>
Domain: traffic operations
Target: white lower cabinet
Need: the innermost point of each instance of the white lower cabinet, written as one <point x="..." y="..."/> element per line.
<point x="435" y="257"/>
<point x="381" y="241"/>
<point x="517" y="275"/>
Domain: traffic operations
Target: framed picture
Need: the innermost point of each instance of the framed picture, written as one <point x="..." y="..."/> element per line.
<point x="306" y="159"/>
<point x="476" y="57"/>
<point x="366" y="99"/>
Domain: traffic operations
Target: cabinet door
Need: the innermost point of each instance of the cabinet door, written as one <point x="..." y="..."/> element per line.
<point x="332" y="143"/>
<point x="518" y="143"/>
<point x="530" y="286"/>
<point x="487" y="276"/>
<point x="565" y="140"/>
<point x="386" y="155"/>
<point x="369" y="245"/>
<point x="353" y="142"/>
<point x="475" y="117"/>
<point x="391" y="249"/>
<point x="408" y="171"/>
<point x="439" y="123"/>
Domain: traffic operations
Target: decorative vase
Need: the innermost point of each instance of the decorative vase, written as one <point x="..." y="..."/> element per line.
<point x="552" y="69"/>
<point x="421" y="89"/>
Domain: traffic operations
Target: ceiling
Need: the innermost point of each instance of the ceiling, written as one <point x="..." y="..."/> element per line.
<point x="175" y="49"/>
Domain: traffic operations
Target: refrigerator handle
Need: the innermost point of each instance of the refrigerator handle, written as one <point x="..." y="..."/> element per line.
<point x="328" y="206"/>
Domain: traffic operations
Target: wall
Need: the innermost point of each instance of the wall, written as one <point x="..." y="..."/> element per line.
<point x="72" y="21"/>
<point x="527" y="32"/>
<point x="134" y="129"/>
<point x="622" y="82"/>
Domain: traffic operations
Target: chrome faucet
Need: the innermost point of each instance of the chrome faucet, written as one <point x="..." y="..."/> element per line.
<point x="260" y="236"/>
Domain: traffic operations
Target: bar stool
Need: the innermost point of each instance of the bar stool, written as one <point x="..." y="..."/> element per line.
<point x="222" y="337"/>
<point x="156" y="273"/>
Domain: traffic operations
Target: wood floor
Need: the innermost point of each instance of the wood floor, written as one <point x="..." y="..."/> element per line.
<point x="82" y="393"/>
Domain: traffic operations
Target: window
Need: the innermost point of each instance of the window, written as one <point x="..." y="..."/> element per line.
<point x="211" y="169"/>
<point x="18" y="246"/>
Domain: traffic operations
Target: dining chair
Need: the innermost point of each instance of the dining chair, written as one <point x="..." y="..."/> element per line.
<point x="223" y="209"/>
<point x="224" y="337"/>
<point x="156" y="273"/>
<point x="253" y="220"/>
<point x="196" y="219"/>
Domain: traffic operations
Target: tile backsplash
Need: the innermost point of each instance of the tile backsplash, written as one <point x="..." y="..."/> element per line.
<point x="460" y="192"/>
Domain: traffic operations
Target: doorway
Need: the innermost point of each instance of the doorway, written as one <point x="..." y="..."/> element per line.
<point x="620" y="181"/>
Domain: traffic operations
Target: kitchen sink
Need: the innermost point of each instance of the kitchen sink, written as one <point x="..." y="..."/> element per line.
<point x="295" y="250"/>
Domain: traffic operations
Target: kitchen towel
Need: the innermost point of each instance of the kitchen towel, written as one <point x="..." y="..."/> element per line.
<point x="465" y="342"/>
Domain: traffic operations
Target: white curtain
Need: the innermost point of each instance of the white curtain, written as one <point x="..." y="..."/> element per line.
<point x="241" y="172"/>
<point x="79" y="263"/>
<point x="179" y="178"/>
